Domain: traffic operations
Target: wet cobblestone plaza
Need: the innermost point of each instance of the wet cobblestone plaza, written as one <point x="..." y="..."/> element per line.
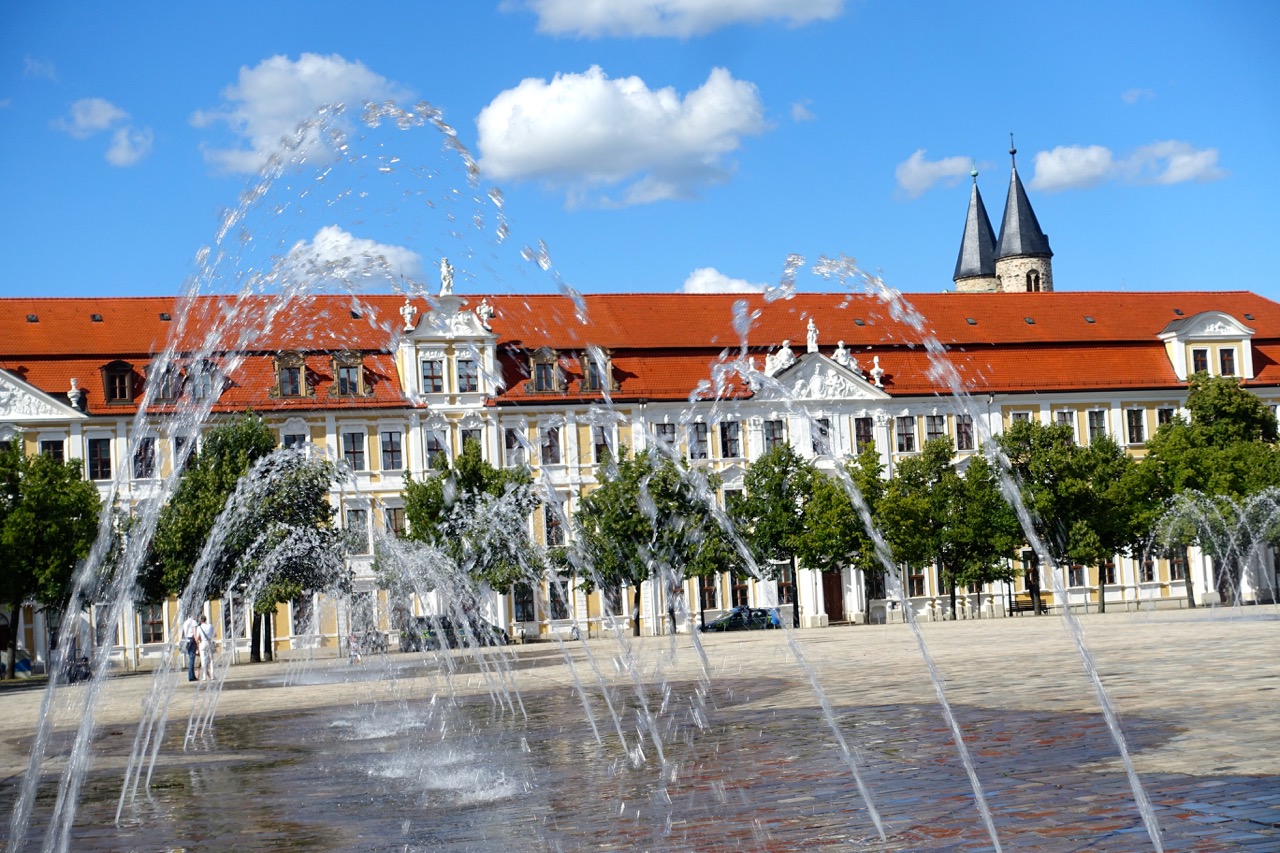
<point x="400" y="753"/>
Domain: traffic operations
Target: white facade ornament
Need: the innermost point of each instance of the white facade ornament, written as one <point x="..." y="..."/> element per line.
<point x="811" y="337"/>
<point x="75" y="394"/>
<point x="485" y="312"/>
<point x="408" y="312"/>
<point x="446" y="278"/>
<point x="841" y="355"/>
<point x="20" y="402"/>
<point x="775" y="363"/>
<point x="876" y="371"/>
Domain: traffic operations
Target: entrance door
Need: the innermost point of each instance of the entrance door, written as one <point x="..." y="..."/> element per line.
<point x="833" y="596"/>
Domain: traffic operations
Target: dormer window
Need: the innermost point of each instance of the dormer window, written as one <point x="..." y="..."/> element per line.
<point x="167" y="384"/>
<point x="117" y="383"/>
<point x="1199" y="361"/>
<point x="1227" y="362"/>
<point x="596" y="371"/>
<point x="544" y="372"/>
<point x="291" y="376"/>
<point x="200" y="380"/>
<point x="348" y="376"/>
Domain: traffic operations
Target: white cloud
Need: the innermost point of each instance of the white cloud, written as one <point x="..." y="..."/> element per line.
<point x="711" y="280"/>
<point x="586" y="133"/>
<point x="335" y="254"/>
<point x="89" y="116"/>
<point x="128" y="146"/>
<point x="916" y="175"/>
<point x="1168" y="162"/>
<point x="678" y="18"/>
<point x="1072" y="166"/>
<point x="32" y="67"/>
<point x="800" y="111"/>
<point x="270" y="100"/>
<point x="1132" y="96"/>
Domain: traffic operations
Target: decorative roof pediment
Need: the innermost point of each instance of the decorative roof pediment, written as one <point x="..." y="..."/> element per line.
<point x="22" y="402"/>
<point x="450" y="320"/>
<point x="816" y="377"/>
<point x="1207" y="325"/>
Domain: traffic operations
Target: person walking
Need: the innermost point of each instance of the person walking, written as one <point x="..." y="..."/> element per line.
<point x="190" y="646"/>
<point x="204" y="640"/>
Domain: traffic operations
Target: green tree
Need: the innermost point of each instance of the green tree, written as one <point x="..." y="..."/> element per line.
<point x="477" y="514"/>
<point x="777" y="490"/>
<point x="1223" y="459"/>
<point x="269" y="517"/>
<point x="48" y="522"/>
<point x="649" y="518"/>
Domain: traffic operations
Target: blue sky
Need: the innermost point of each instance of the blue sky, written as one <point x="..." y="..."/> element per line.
<point x="650" y="145"/>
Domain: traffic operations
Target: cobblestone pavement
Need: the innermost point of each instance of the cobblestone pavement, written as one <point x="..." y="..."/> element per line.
<point x="723" y="748"/>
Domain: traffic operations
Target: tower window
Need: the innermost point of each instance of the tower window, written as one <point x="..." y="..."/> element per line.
<point x="1033" y="281"/>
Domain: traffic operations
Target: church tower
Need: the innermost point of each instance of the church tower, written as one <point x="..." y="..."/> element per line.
<point x="1022" y="252"/>
<point x="976" y="265"/>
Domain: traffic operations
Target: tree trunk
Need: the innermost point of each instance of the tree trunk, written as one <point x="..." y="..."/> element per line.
<point x="268" y="642"/>
<point x="1102" y="592"/>
<point x="11" y="653"/>
<point x="1191" y="589"/>
<point x="795" y="595"/>
<point x="255" y="641"/>
<point x="635" y="612"/>
<point x="954" y="614"/>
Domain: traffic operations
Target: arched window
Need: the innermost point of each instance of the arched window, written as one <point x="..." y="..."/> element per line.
<point x="1033" y="281"/>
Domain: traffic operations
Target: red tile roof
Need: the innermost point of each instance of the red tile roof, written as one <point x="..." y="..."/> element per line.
<point x="662" y="345"/>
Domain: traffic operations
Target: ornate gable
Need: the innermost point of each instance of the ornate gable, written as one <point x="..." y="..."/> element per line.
<point x="816" y="377"/>
<point x="20" y="402"/>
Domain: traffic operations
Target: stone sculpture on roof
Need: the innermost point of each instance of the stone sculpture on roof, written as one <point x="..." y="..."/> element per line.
<point x="811" y="337"/>
<point x="446" y="278"/>
<point x="776" y="362"/>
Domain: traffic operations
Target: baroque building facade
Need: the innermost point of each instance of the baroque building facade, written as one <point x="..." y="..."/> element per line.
<point x="395" y="387"/>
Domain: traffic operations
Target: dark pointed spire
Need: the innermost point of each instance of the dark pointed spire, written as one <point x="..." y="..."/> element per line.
<point x="1020" y="232"/>
<point x="978" y="246"/>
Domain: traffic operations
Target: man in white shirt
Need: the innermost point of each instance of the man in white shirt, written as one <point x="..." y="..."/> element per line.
<point x="204" y="639"/>
<point x="189" y="645"/>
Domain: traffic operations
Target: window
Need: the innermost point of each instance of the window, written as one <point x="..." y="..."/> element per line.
<point x="740" y="592"/>
<point x="437" y="455"/>
<point x="552" y="521"/>
<point x="935" y="426"/>
<point x="347" y="380"/>
<point x="358" y="527"/>
<point x="302" y="614"/>
<point x="1097" y="424"/>
<point x="144" y="458"/>
<point x="1147" y="569"/>
<point x="290" y="381"/>
<point x="665" y="435"/>
<point x="293" y="441"/>
<point x="731" y="440"/>
<point x="99" y="459"/>
<point x="1075" y="576"/>
<point x="470" y="435"/>
<point x="513" y="447"/>
<point x="595" y="371"/>
<point x="1178" y="563"/>
<point x="544" y="376"/>
<point x="167" y="385"/>
<point x="1020" y="417"/>
<point x="864" y="433"/>
<point x="1134" y="418"/>
<point x="151" y="623"/>
<point x="395" y="520"/>
<point x="550" y="445"/>
<point x="613" y="601"/>
<point x="200" y="381"/>
<point x="1164" y="415"/>
<point x="392" y="451"/>
<point x="353" y="450"/>
<point x="905" y="429"/>
<point x="1066" y="417"/>
<point x="179" y="447"/>
<point x="522" y="607"/>
<point x="433" y="376"/>
<point x="117" y="381"/>
<point x="775" y="434"/>
<point x="1227" y="362"/>
<point x="820" y="436"/>
<point x="558" y="588"/>
<point x="699" y="441"/>
<point x="1108" y="572"/>
<point x="915" y="581"/>
<point x="707" y="596"/>
<point x="468" y="375"/>
<point x="964" y="432"/>
<point x="786" y="585"/>
<point x="602" y="441"/>
<point x="1199" y="361"/>
<point x="53" y="448"/>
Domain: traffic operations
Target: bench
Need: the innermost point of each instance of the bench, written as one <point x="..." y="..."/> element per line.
<point x="1022" y="603"/>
